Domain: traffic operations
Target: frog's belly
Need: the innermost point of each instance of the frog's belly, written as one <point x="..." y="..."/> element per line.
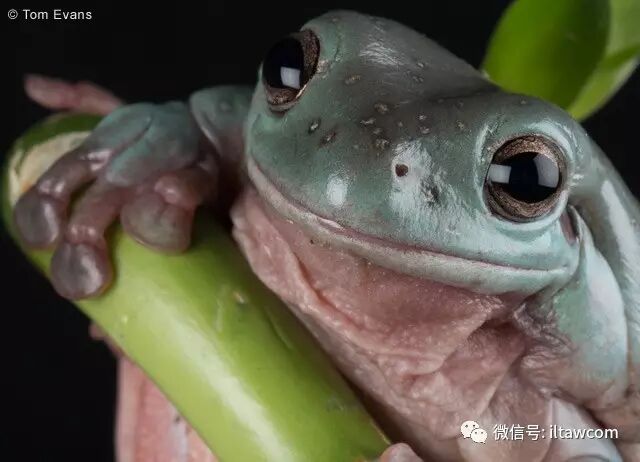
<point x="428" y="355"/>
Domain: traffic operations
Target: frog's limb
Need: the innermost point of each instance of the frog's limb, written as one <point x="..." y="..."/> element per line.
<point x="152" y="214"/>
<point x="613" y="218"/>
<point x="148" y="164"/>
<point x="220" y="113"/>
<point x="587" y="369"/>
<point x="80" y="263"/>
<point x="40" y="212"/>
<point x="569" y="416"/>
<point x="61" y="95"/>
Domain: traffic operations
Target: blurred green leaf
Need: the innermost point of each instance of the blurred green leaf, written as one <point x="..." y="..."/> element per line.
<point x="549" y="48"/>
<point x="619" y="60"/>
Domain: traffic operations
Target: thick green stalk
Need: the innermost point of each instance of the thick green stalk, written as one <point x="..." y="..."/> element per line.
<point x="223" y="348"/>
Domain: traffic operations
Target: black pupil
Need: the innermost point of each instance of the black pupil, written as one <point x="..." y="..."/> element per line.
<point x="528" y="177"/>
<point x="284" y="65"/>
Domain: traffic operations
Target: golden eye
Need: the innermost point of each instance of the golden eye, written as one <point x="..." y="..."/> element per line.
<point x="525" y="178"/>
<point x="288" y="66"/>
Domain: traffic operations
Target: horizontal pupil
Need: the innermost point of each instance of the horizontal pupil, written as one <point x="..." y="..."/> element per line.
<point x="528" y="177"/>
<point x="284" y="65"/>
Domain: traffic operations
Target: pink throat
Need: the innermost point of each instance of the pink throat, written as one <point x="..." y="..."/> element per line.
<point x="432" y="352"/>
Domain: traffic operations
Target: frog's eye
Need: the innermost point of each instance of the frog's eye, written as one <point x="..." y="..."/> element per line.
<point x="287" y="68"/>
<point x="525" y="178"/>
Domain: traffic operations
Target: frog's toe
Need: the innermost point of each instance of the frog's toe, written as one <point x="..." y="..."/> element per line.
<point x="80" y="270"/>
<point x="155" y="223"/>
<point x="61" y="95"/>
<point x="162" y="216"/>
<point x="80" y="266"/>
<point x="39" y="219"/>
<point x="41" y="212"/>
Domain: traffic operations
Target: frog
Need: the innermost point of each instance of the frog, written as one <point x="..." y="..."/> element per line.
<point x="464" y="254"/>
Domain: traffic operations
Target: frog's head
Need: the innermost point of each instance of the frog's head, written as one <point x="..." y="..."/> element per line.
<point x="379" y="141"/>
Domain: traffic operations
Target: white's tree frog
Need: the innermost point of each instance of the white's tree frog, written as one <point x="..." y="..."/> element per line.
<point x="463" y="253"/>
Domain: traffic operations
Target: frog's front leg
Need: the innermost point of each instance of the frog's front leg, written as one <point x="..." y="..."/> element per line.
<point x="150" y="165"/>
<point x="582" y="356"/>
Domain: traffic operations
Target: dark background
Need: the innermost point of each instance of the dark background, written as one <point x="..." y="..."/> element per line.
<point x="58" y="385"/>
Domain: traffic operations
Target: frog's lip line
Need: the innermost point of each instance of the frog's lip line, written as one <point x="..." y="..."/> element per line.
<point x="480" y="276"/>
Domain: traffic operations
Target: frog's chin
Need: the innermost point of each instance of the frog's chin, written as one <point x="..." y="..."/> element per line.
<point x="479" y="276"/>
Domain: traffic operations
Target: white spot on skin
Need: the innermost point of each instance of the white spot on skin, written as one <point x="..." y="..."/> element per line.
<point x="336" y="190"/>
<point x="430" y="195"/>
<point x="352" y="79"/>
<point x="381" y="143"/>
<point x="452" y="230"/>
<point x="314" y="125"/>
<point x="323" y="66"/>
<point x="382" y="108"/>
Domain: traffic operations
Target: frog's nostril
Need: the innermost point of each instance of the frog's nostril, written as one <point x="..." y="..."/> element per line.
<point x="401" y="170"/>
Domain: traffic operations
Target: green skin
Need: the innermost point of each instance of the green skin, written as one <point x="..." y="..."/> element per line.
<point x="384" y="95"/>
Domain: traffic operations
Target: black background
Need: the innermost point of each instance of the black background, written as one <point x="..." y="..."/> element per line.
<point x="58" y="386"/>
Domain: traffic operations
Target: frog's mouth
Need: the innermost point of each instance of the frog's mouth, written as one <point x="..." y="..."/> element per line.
<point x="428" y="353"/>
<point x="479" y="276"/>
